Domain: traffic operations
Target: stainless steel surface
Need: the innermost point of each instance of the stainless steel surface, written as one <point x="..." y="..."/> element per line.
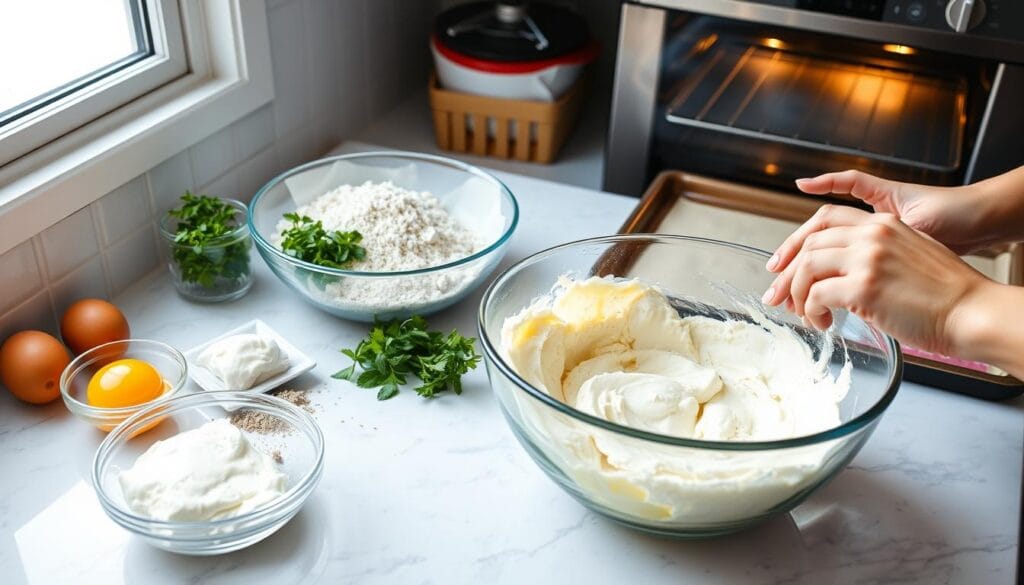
<point x="510" y="12"/>
<point x="997" y="148"/>
<point x="859" y="110"/>
<point x="963" y="15"/>
<point x="986" y="119"/>
<point x="948" y="41"/>
<point x="633" y="99"/>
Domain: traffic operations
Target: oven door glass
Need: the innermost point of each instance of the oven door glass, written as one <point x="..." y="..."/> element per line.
<point x="766" y="105"/>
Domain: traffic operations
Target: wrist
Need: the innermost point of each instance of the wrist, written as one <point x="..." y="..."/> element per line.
<point x="999" y="210"/>
<point x="974" y="325"/>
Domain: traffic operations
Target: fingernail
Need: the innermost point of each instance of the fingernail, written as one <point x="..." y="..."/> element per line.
<point x="799" y="181"/>
<point x="768" y="294"/>
<point x="772" y="262"/>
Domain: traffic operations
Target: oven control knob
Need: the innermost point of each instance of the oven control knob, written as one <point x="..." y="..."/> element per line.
<point x="963" y="15"/>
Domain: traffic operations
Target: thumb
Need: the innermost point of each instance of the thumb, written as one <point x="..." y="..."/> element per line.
<point x="868" y="188"/>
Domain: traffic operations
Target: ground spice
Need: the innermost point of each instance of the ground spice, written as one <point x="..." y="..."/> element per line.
<point x="297" y="397"/>
<point x="267" y="424"/>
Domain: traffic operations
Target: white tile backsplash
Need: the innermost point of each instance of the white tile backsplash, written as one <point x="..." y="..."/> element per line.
<point x="125" y="210"/>
<point x="225" y="186"/>
<point x="336" y="63"/>
<point x="21" y="275"/>
<point x="254" y="132"/>
<point x="34" y="313"/>
<point x="321" y="20"/>
<point x="288" y="54"/>
<point x="381" y="82"/>
<point x="168" y="181"/>
<point x="255" y="172"/>
<point x="69" y="242"/>
<point x="89" y="280"/>
<point x="131" y="259"/>
<point x="213" y="156"/>
<point x="295" y="148"/>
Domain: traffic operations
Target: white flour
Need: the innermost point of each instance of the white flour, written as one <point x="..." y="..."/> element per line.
<point x="402" y="230"/>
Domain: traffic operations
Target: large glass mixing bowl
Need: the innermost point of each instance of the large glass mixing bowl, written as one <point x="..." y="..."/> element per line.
<point x="696" y="488"/>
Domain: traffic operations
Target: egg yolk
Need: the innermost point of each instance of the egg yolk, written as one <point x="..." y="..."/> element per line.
<point x="125" y="382"/>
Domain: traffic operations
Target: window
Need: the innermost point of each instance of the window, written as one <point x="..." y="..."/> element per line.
<point x="174" y="72"/>
<point x="78" y="60"/>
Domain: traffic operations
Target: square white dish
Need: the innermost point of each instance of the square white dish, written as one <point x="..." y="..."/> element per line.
<point x="298" y="362"/>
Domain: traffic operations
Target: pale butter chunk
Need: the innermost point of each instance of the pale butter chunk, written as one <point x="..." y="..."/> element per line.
<point x="242" y="361"/>
<point x="207" y="473"/>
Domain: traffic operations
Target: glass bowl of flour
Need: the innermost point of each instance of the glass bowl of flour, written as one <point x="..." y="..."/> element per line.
<point x="433" y="230"/>
<point x="645" y="377"/>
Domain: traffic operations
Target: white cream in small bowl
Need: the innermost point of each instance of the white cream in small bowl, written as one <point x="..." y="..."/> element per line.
<point x="136" y="495"/>
<point x="207" y="473"/>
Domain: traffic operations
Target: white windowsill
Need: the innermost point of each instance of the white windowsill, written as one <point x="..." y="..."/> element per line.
<point x="231" y="77"/>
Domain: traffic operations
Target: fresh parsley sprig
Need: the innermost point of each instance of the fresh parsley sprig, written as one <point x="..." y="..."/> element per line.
<point x="307" y="240"/>
<point x="202" y="220"/>
<point x="395" y="349"/>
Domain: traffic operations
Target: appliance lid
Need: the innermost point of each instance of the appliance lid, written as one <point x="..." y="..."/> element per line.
<point x="511" y="31"/>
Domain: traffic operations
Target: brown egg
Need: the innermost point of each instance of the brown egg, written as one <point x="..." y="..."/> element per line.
<point x="30" y="366"/>
<point x="92" y="322"/>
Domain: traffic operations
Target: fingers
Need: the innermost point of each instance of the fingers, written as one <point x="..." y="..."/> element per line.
<point x="838" y="237"/>
<point x="812" y="266"/>
<point x="826" y="217"/>
<point x="822" y="296"/>
<point x="815" y="266"/>
<point x="860" y="185"/>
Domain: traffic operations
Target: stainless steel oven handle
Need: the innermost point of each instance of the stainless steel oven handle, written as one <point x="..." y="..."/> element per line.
<point x="641" y="33"/>
<point x="886" y="32"/>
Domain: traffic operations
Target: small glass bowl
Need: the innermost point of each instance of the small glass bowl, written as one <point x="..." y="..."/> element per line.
<point x="300" y="453"/>
<point x="199" y="273"/>
<point x="74" y="380"/>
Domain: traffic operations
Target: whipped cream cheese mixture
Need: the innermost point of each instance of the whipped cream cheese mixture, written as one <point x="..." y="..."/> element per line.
<point x="208" y="473"/>
<point x="616" y="349"/>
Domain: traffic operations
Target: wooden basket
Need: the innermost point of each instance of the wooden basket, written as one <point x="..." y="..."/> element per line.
<point x="502" y="128"/>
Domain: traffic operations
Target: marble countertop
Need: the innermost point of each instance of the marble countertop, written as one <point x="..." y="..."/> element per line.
<point x="419" y="491"/>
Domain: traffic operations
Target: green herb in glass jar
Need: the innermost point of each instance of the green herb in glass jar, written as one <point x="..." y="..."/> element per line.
<point x="203" y="223"/>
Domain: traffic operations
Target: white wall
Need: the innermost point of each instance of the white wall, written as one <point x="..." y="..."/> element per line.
<point x="337" y="65"/>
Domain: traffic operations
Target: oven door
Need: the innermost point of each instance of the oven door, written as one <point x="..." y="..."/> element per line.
<point x="764" y="104"/>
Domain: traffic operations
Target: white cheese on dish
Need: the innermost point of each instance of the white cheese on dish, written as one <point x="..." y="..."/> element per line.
<point x="244" y="360"/>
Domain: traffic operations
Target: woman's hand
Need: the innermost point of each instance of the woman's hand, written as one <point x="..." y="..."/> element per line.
<point x="951" y="215"/>
<point x="892" y="276"/>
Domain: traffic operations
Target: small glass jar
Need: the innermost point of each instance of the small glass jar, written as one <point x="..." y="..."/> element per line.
<point x="220" y="270"/>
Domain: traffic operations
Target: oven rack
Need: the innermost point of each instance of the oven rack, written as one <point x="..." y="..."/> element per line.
<point x="911" y="119"/>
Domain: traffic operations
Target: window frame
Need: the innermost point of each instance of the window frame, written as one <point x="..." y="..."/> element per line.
<point x="112" y="87"/>
<point x="227" y="46"/>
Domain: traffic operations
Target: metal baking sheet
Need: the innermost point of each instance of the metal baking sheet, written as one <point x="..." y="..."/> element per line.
<point x="679" y="203"/>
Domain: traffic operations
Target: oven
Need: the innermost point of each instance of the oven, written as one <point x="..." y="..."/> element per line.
<point x="718" y="105"/>
<point x="763" y="92"/>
